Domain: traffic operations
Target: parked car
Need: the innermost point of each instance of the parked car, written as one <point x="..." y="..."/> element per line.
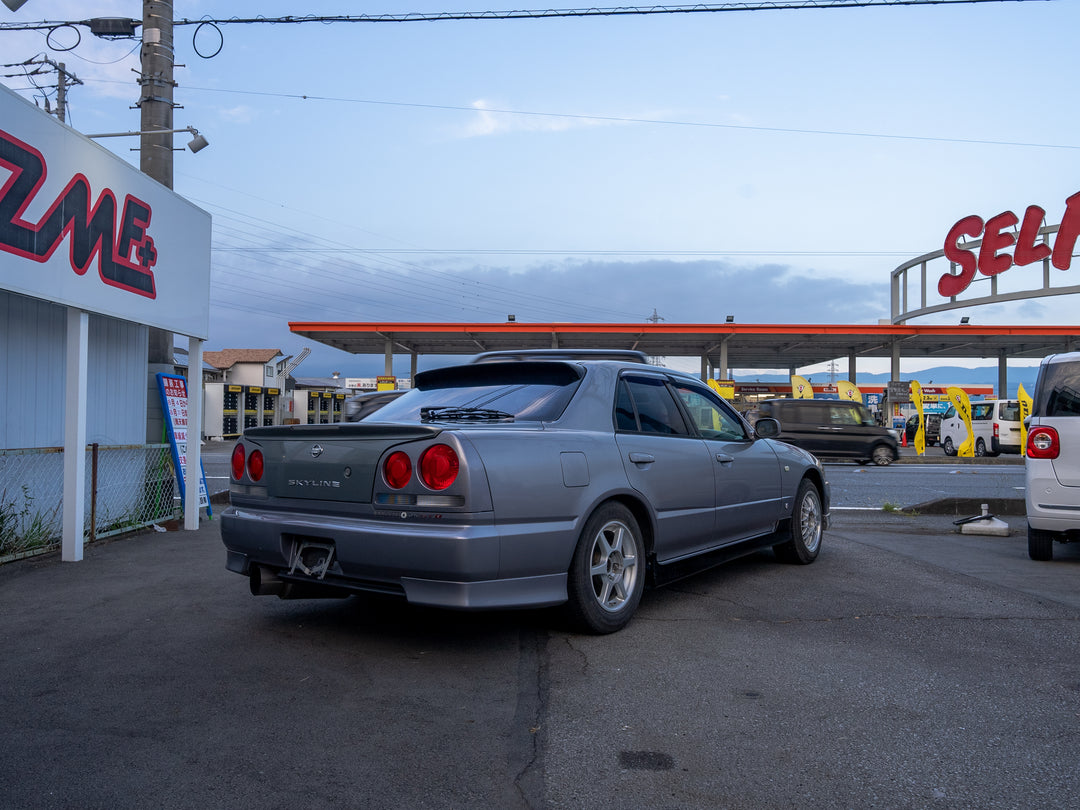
<point x="521" y="483"/>
<point x="363" y="405"/>
<point x="832" y="428"/>
<point x="931" y="428"/>
<point x="1052" y="466"/>
<point x="995" y="423"/>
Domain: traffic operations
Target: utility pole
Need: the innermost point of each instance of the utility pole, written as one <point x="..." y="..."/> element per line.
<point x="61" y="92"/>
<point x="63" y="78"/>
<point x="156" y="160"/>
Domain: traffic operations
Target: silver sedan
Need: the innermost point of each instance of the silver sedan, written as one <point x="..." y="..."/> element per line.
<point x="526" y="481"/>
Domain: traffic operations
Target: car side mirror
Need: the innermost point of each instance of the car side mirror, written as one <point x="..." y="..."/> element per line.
<point x="767" y="428"/>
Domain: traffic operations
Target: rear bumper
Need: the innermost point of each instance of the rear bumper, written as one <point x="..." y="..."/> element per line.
<point x="454" y="565"/>
<point x="996" y="446"/>
<point x="1050" y="506"/>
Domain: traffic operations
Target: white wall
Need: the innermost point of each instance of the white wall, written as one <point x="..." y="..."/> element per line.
<point x="32" y="334"/>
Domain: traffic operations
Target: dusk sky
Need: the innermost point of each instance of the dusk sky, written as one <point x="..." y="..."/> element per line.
<point x="776" y="165"/>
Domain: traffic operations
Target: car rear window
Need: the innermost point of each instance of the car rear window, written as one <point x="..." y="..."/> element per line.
<point x="1010" y="412"/>
<point x="1057" y="391"/>
<point x="532" y="391"/>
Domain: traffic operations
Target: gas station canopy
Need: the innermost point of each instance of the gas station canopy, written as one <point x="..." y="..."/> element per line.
<point x="779" y="346"/>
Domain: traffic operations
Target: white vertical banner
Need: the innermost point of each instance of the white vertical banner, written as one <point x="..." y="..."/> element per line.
<point x="174" y="406"/>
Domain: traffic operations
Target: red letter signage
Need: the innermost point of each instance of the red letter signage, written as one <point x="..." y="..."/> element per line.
<point x="997" y="238"/>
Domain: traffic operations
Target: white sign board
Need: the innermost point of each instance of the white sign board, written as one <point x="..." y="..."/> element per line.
<point x="83" y="228"/>
<point x="174" y="400"/>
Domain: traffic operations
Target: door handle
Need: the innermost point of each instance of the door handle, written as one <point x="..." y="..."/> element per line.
<point x="642" y="458"/>
<point x="724" y="458"/>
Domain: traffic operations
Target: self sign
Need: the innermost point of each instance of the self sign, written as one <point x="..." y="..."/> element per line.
<point x="993" y="255"/>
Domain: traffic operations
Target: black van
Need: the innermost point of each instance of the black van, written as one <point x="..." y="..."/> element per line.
<point x="832" y="428"/>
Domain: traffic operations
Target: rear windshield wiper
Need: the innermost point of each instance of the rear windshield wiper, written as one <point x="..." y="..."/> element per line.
<point x="454" y="413"/>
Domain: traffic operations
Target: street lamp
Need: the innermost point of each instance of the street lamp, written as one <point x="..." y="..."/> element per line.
<point x="196" y="144"/>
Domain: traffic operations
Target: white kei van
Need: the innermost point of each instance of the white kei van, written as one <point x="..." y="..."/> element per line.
<point x="1053" y="456"/>
<point x="996" y="423"/>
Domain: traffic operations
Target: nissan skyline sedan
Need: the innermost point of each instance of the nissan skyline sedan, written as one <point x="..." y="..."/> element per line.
<point x="521" y="480"/>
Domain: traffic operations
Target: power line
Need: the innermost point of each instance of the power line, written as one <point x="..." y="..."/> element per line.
<point x="550" y="252"/>
<point x="630" y="120"/>
<point x="616" y="11"/>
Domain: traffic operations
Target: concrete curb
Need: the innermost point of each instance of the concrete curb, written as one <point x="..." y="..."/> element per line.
<point x="968" y="507"/>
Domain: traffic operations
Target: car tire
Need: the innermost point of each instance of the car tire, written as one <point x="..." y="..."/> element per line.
<point x="607" y="573"/>
<point x="805" y="531"/>
<point x="882" y="455"/>
<point x="1040" y="544"/>
<point x="980" y="448"/>
<point x="948" y="447"/>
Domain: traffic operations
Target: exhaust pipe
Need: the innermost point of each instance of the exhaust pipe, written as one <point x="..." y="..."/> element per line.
<point x="264" y="582"/>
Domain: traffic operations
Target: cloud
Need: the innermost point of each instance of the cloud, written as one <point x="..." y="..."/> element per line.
<point x="241" y="114"/>
<point x="492" y="120"/>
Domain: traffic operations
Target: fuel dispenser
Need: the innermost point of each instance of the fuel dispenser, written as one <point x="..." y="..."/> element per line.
<point x="230" y="398"/>
<point x="325" y="407"/>
<point x="269" y="406"/>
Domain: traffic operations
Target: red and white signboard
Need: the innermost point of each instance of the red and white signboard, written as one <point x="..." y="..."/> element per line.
<point x="174" y="404"/>
<point x="82" y="228"/>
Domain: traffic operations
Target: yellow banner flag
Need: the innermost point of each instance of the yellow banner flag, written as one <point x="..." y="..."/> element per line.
<point x="920" y="431"/>
<point x="725" y="388"/>
<point x="959" y="399"/>
<point x="800" y="387"/>
<point x="849" y="391"/>
<point x="1026" y="404"/>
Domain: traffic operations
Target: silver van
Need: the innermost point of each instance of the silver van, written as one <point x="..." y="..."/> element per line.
<point x="1052" y="465"/>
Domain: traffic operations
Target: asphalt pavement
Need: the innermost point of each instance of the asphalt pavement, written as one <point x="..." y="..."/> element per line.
<point x="909" y="667"/>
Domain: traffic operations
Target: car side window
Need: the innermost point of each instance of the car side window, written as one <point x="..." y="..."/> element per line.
<point x="843" y="415"/>
<point x="656" y="409"/>
<point x="708" y="415"/>
<point x="625" y="418"/>
<point x="1057" y="392"/>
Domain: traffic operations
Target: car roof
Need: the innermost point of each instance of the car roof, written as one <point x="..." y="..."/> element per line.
<point x="1063" y="357"/>
<point x="622" y="355"/>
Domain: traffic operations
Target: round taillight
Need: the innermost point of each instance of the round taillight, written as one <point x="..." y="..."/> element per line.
<point x="1043" y="442"/>
<point x="397" y="470"/>
<point x="255" y="465"/>
<point x="238" y="462"/>
<point x="439" y="466"/>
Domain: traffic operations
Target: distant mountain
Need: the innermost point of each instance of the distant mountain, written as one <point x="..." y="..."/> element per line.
<point x="939" y="375"/>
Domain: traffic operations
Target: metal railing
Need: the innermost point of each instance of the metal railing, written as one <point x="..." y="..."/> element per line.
<point x="127" y="487"/>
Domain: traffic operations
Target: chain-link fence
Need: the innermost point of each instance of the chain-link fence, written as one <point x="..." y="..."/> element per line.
<point x="127" y="487"/>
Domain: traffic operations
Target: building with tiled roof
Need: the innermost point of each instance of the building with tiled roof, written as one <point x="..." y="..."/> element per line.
<point x="245" y="366"/>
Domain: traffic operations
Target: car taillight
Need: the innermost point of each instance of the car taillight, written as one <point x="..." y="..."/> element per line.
<point x="439" y="466"/>
<point x="255" y="465"/>
<point x="1043" y="442"/>
<point x="997" y="431"/>
<point x="397" y="470"/>
<point x="238" y="462"/>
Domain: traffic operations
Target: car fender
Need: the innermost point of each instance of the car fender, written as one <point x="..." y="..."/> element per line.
<point x="570" y="473"/>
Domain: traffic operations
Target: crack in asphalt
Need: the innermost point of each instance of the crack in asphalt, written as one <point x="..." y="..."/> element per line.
<point x="528" y="736"/>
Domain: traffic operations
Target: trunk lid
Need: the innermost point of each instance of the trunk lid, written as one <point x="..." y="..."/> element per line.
<point x="328" y="462"/>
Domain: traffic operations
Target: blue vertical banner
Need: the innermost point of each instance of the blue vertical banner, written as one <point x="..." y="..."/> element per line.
<point x="174" y="407"/>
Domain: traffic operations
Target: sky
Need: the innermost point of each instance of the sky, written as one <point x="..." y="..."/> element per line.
<point x="776" y="165"/>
